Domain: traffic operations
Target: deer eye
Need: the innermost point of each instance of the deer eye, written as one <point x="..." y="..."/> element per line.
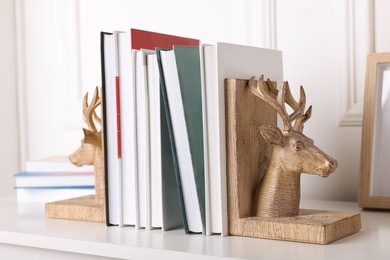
<point x="298" y="146"/>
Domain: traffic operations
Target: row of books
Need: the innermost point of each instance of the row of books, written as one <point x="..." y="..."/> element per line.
<point x="53" y="178"/>
<point x="164" y="119"/>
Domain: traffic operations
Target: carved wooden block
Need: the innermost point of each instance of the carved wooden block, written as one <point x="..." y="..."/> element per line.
<point x="87" y="208"/>
<point x="260" y="202"/>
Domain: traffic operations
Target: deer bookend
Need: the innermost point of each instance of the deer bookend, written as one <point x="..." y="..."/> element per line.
<point x="91" y="150"/>
<point x="278" y="194"/>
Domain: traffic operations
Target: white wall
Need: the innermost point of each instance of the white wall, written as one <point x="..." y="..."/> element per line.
<point x="321" y="47"/>
<point x="381" y="21"/>
<point x="9" y="162"/>
<point x="311" y="41"/>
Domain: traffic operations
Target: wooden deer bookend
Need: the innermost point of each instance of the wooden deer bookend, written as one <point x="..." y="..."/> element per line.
<point x="91" y="150"/>
<point x="264" y="166"/>
<point x="92" y="207"/>
<point x="278" y="194"/>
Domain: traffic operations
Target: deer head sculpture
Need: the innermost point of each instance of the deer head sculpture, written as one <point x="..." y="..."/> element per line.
<point x="91" y="151"/>
<point x="278" y="194"/>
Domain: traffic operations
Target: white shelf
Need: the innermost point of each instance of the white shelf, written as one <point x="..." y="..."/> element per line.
<point x="24" y="227"/>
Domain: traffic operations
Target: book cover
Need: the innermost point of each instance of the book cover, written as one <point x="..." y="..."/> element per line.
<point x="143" y="137"/>
<point x="188" y="69"/>
<point x="141" y="39"/>
<point x="128" y="131"/>
<point x="180" y="134"/>
<point x="153" y="77"/>
<point x="48" y="194"/>
<point x="173" y="212"/>
<point x="221" y="61"/>
<point x="111" y="164"/>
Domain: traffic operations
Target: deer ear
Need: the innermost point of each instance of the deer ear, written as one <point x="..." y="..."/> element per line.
<point x="87" y="132"/>
<point x="272" y="134"/>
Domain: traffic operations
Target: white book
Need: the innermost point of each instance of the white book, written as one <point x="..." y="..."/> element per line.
<point x="222" y="61"/>
<point x="118" y="127"/>
<point x="143" y="139"/>
<point x="128" y="131"/>
<point x="156" y="196"/>
<point x="50" y="195"/>
<point x="111" y="144"/>
<point x="136" y="118"/>
<point x="179" y="126"/>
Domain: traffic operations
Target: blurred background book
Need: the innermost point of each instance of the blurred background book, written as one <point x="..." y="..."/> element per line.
<point x="53" y="178"/>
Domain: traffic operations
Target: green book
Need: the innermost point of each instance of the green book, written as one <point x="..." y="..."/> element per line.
<point x="170" y="167"/>
<point x="181" y="71"/>
<point x="188" y="68"/>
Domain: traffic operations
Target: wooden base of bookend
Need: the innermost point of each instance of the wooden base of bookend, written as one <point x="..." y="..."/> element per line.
<point x="248" y="156"/>
<point x="311" y="226"/>
<point x="81" y="208"/>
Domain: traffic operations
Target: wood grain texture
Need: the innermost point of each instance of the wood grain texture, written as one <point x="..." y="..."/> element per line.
<point x="82" y="208"/>
<point x="247" y="153"/>
<point x="310" y="226"/>
<point x="248" y="157"/>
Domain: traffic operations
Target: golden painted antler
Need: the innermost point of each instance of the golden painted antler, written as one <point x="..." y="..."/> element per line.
<point x="89" y="113"/>
<point x="267" y="91"/>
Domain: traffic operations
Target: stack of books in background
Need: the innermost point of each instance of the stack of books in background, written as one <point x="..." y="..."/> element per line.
<point x="164" y="119"/>
<point x="54" y="178"/>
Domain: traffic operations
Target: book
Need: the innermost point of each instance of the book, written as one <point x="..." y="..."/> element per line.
<point x="47" y="194"/>
<point x="57" y="163"/>
<point x="172" y="85"/>
<point x="128" y="131"/>
<point x="117" y="126"/>
<point x="111" y="163"/>
<point x="221" y="61"/>
<point x="141" y="39"/>
<point x="143" y="137"/>
<point x="53" y="179"/>
<point x="153" y="81"/>
<point x="185" y="114"/>
<point x="173" y="201"/>
<point x="188" y="68"/>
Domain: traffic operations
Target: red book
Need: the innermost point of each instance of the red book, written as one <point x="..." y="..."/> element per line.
<point x="150" y="40"/>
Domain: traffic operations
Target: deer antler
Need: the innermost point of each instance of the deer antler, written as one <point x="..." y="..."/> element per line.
<point x="89" y="113"/>
<point x="267" y="91"/>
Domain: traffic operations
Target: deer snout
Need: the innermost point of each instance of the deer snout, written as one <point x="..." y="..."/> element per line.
<point x="329" y="166"/>
<point x="333" y="165"/>
<point x="74" y="158"/>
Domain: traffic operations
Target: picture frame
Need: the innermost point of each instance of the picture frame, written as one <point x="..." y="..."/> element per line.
<point x="374" y="188"/>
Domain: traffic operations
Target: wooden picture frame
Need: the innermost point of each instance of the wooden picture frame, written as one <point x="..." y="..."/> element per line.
<point x="374" y="189"/>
